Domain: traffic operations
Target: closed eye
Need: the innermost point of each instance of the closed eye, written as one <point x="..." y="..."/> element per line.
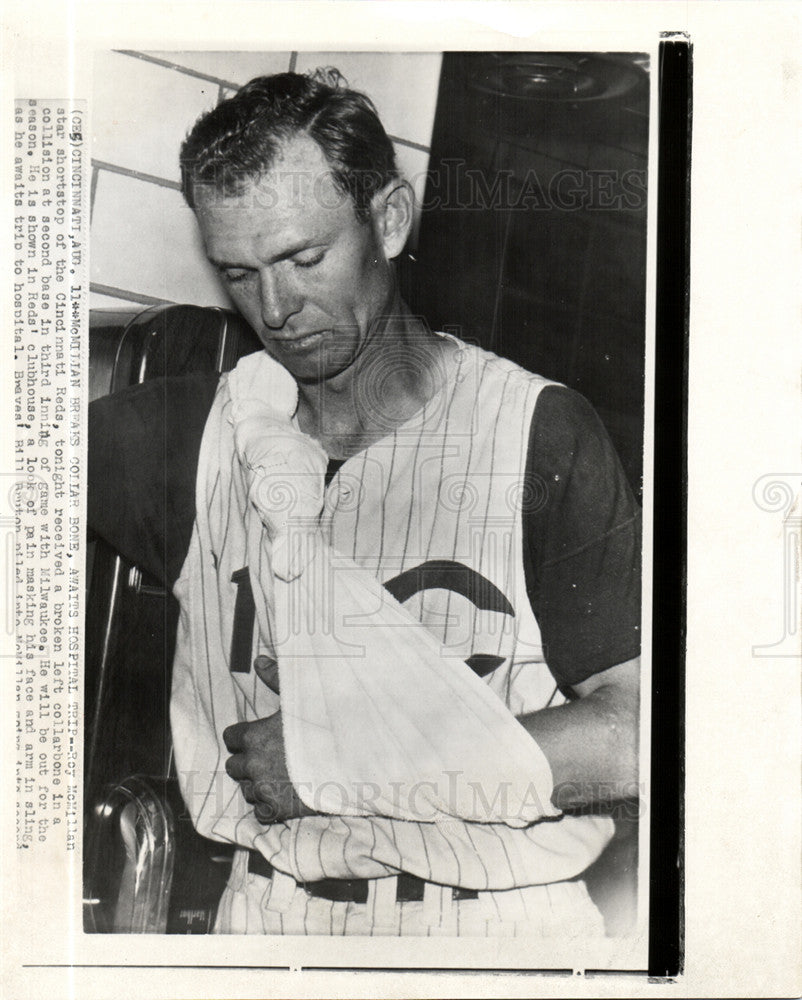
<point x="233" y="276"/>
<point x="309" y="261"/>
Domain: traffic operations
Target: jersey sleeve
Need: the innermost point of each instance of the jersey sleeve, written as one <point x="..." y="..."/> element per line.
<point x="143" y="446"/>
<point x="582" y="541"/>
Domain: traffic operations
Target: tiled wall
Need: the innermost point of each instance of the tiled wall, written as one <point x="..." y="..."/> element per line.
<point x="145" y="247"/>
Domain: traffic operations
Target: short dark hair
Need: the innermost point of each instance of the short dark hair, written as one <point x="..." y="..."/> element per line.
<point x="238" y="141"/>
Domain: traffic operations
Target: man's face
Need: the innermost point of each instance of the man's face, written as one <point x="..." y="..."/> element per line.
<point x="306" y="274"/>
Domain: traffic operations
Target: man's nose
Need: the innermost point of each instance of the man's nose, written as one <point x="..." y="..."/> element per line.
<point x="279" y="300"/>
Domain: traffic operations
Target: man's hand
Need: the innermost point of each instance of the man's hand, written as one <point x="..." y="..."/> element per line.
<point x="258" y="763"/>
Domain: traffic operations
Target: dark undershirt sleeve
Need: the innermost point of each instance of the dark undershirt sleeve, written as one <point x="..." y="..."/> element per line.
<point x="581" y="541"/>
<point x="144" y="443"/>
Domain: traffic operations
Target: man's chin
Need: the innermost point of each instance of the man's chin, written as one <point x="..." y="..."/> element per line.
<point x="313" y="368"/>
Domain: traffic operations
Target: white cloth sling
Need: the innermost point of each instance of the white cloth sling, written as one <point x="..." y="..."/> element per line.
<point x="376" y="721"/>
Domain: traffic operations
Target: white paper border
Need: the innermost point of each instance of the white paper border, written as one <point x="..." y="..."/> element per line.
<point x="742" y="723"/>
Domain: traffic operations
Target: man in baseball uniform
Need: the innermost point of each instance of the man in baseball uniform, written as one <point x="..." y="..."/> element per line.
<point x="407" y="665"/>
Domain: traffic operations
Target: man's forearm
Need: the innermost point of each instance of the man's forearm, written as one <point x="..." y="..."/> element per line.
<point x="591" y="744"/>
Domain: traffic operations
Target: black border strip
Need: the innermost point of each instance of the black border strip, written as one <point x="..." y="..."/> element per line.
<point x="670" y="510"/>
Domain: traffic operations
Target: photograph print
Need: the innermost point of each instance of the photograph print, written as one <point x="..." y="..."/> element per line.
<point x="368" y="342"/>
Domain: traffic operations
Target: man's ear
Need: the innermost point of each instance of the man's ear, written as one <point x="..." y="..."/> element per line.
<point x="392" y="210"/>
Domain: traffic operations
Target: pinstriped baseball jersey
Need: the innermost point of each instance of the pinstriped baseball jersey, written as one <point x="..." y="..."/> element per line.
<point x="438" y="503"/>
<point x="560" y="911"/>
<point x="434" y="510"/>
